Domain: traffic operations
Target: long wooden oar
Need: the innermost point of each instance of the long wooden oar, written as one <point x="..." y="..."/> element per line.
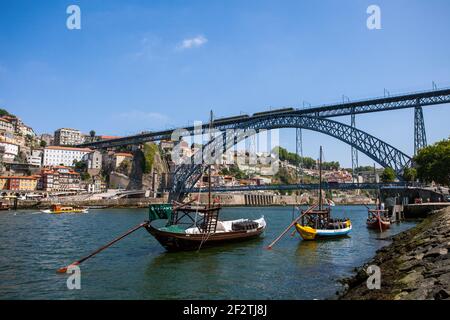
<point x="289" y="227"/>
<point x="64" y="269"/>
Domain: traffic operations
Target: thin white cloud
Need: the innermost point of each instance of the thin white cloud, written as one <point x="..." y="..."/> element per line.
<point x="190" y="43"/>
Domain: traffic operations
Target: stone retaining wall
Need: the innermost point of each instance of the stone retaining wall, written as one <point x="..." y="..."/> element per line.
<point x="416" y="266"/>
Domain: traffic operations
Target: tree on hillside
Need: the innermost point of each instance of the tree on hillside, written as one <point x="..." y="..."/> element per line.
<point x="433" y="163"/>
<point x="388" y="175"/>
<point x="295" y="159"/>
<point x="410" y="174"/>
<point x="43" y="143"/>
<point x="92" y="133"/>
<point x="3" y="112"/>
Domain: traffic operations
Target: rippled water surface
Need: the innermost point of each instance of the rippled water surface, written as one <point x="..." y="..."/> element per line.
<point x="33" y="245"/>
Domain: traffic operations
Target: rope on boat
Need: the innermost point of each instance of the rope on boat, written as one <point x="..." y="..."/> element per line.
<point x="205" y="238"/>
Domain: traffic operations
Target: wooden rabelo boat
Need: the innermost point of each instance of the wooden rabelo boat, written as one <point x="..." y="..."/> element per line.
<point x="378" y="219"/>
<point x="195" y="227"/>
<point x="317" y="223"/>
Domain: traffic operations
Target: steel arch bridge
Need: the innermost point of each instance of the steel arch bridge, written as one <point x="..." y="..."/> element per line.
<point x="188" y="173"/>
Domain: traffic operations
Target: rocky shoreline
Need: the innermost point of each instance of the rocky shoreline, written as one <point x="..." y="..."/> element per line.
<point x="415" y="266"/>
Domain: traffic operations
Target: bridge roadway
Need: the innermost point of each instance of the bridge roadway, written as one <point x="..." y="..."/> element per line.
<point x="309" y="186"/>
<point x="411" y="100"/>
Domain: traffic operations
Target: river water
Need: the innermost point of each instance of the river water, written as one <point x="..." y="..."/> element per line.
<point x="33" y="245"/>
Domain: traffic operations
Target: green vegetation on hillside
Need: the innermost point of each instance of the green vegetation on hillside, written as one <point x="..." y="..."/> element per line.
<point x="3" y="112"/>
<point x="307" y="162"/>
<point x="433" y="163"/>
<point x="150" y="150"/>
<point x="410" y="174"/>
<point x="388" y="175"/>
<point x="234" y="171"/>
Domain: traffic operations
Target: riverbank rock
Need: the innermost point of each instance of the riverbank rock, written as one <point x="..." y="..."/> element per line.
<point x="415" y="266"/>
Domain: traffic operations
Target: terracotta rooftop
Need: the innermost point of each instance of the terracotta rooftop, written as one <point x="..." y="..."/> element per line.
<point x="68" y="148"/>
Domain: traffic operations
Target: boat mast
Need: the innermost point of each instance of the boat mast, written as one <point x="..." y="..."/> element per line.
<point x="320" y="179"/>
<point x="378" y="189"/>
<point x="209" y="164"/>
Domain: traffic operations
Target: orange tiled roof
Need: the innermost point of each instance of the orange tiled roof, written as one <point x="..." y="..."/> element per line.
<point x="68" y="148"/>
<point x="19" y="177"/>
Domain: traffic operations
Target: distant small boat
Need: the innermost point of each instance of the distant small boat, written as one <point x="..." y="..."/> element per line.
<point x="331" y="203"/>
<point x="378" y="220"/>
<point x="58" y="209"/>
<point x="4" y="206"/>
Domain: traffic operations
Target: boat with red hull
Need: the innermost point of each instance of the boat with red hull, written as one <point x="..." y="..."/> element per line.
<point x="378" y="220"/>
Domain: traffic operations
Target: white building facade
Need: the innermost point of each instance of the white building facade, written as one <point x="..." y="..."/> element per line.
<point x="11" y="151"/>
<point x="66" y="137"/>
<point x="55" y="155"/>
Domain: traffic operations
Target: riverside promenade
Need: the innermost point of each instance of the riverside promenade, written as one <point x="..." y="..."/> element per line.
<point x="416" y="266"/>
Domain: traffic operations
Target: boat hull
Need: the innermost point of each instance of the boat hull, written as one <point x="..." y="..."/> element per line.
<point x="308" y="233"/>
<point x="376" y="224"/>
<point x="173" y="241"/>
<point x="61" y="212"/>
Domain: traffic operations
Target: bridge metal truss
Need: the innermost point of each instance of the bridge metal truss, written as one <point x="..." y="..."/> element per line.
<point x="188" y="173"/>
<point x="426" y="98"/>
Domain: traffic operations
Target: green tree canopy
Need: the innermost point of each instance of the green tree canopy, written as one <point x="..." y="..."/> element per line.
<point x="234" y="171"/>
<point x="433" y="163"/>
<point x="388" y="175"/>
<point x="150" y="149"/>
<point x="410" y="174"/>
<point x="3" y="112"/>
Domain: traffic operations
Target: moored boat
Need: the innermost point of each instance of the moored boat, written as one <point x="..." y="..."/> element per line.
<point x="58" y="209"/>
<point x="378" y="220"/>
<point x="192" y="228"/>
<point x="317" y="223"/>
<point x="4" y="206"/>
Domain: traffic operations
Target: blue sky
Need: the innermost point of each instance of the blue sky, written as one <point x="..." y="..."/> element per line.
<point x="148" y="65"/>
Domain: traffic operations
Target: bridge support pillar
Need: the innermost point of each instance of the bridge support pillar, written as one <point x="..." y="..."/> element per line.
<point x="355" y="164"/>
<point x="420" y="136"/>
<point x="299" y="151"/>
